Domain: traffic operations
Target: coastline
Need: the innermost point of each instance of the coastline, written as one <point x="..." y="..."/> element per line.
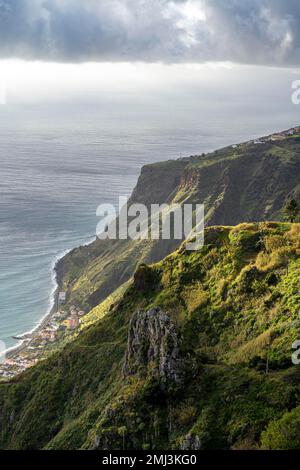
<point x="15" y="350"/>
<point x="28" y="337"/>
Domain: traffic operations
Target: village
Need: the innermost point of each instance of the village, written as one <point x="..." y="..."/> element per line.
<point x="279" y="137"/>
<point x="59" y="324"/>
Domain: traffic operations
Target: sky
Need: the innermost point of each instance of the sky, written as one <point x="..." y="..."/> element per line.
<point x="244" y="31"/>
<point x="58" y="49"/>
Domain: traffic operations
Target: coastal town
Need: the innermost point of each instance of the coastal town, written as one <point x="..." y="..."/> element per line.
<point x="293" y="132"/>
<point x="62" y="322"/>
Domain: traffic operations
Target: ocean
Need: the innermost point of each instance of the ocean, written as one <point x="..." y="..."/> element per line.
<point x="58" y="163"/>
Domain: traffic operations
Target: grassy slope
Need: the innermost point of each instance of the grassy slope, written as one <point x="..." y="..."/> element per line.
<point x="234" y="304"/>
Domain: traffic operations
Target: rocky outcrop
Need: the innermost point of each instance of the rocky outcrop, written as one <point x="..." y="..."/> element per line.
<point x="153" y="347"/>
<point x="144" y="279"/>
<point x="191" y="443"/>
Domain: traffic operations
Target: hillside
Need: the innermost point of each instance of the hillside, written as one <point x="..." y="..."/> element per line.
<point x="249" y="182"/>
<point x="196" y="353"/>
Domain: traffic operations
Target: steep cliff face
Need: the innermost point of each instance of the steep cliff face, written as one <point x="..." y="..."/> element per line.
<point x="159" y="182"/>
<point x="241" y="184"/>
<point x="248" y="185"/>
<point x="93" y="272"/>
<point x="153" y="346"/>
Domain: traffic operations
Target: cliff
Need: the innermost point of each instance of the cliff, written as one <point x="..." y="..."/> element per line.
<point x="243" y="183"/>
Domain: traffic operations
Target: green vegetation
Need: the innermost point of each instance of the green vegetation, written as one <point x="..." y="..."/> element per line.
<point x="235" y="307"/>
<point x="292" y="210"/>
<point x="283" y="434"/>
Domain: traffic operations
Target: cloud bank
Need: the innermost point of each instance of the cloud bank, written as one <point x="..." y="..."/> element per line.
<point x="265" y="32"/>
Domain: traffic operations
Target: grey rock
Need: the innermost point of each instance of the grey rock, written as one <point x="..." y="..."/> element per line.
<point x="191" y="443"/>
<point x="153" y="346"/>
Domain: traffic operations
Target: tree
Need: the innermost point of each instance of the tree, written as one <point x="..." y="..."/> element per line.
<point x="292" y="210"/>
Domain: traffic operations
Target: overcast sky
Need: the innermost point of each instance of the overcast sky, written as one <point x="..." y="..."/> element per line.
<point x="264" y="32"/>
<point x="243" y="51"/>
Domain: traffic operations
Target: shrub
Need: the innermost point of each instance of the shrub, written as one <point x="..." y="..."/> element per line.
<point x="283" y="434"/>
<point x="277" y="259"/>
<point x="274" y="242"/>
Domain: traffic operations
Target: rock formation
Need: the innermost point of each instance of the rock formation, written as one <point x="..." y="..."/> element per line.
<point x="153" y="346"/>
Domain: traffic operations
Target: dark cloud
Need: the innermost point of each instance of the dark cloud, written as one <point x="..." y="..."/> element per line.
<point x="255" y="31"/>
<point x="246" y="31"/>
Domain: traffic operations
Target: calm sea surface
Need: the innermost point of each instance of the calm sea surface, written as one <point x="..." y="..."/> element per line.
<point x="57" y="165"/>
